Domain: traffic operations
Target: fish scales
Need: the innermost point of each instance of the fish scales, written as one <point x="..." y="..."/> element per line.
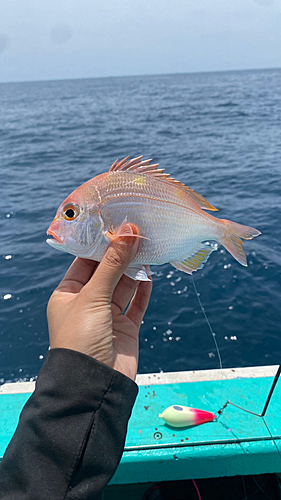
<point x="158" y="210"/>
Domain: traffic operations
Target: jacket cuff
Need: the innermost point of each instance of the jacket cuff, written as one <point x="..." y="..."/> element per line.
<point x="74" y="376"/>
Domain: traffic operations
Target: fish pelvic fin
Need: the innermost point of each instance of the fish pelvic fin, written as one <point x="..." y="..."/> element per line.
<point x="138" y="272"/>
<point x="145" y="167"/>
<point x="196" y="260"/>
<point x="232" y="239"/>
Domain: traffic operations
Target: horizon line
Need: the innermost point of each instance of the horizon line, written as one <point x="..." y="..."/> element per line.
<point x="141" y="75"/>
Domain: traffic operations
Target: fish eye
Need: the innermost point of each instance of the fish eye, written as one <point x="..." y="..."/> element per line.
<point x="70" y="211"/>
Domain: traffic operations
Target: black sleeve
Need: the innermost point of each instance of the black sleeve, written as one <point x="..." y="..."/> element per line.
<point x="71" y="432"/>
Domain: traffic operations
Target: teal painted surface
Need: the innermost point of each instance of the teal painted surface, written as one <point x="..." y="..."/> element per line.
<point x="237" y="443"/>
<point x="210" y="396"/>
<point x="10" y="408"/>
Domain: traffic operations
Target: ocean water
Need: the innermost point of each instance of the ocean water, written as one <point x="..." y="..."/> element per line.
<point x="220" y="133"/>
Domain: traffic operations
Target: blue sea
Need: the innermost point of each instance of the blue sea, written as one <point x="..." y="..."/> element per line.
<point x="220" y="133"/>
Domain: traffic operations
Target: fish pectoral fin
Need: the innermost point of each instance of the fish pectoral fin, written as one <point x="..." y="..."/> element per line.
<point x="138" y="272"/>
<point x="125" y="229"/>
<point x="196" y="260"/>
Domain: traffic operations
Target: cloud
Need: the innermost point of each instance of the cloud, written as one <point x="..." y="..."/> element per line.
<point x="61" y="34"/>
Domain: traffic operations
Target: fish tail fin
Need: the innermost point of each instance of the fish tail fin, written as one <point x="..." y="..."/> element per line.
<point x="232" y="239"/>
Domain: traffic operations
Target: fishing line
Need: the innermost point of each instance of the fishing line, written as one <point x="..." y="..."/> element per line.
<point x="208" y="322"/>
<point x="260" y="488"/>
<point x="275" y="380"/>
<point x="211" y="330"/>
<point x="244" y="488"/>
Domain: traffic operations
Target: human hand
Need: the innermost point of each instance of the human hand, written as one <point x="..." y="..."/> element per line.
<point x="86" y="311"/>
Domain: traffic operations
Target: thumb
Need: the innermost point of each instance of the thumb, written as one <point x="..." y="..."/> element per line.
<point x="118" y="257"/>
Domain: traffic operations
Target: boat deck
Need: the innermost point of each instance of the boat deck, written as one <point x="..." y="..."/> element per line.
<point x="237" y="443"/>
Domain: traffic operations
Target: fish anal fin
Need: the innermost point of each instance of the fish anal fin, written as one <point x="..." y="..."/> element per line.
<point x="196" y="260"/>
<point x="145" y="167"/>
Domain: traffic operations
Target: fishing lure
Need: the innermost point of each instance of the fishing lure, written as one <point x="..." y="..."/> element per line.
<point x="184" y="416"/>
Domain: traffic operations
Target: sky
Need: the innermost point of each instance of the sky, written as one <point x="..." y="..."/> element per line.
<point x="61" y="39"/>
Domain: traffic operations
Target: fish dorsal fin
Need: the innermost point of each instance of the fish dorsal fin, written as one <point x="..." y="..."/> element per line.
<point x="200" y="199"/>
<point x="145" y="167"/>
<point x="196" y="260"/>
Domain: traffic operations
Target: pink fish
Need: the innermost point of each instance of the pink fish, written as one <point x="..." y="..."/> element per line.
<point x="171" y="218"/>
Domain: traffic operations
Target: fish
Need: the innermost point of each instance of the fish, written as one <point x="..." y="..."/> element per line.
<point x="172" y="219"/>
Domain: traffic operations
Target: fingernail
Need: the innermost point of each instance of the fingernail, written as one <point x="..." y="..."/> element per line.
<point x="129" y="229"/>
<point x="128" y="240"/>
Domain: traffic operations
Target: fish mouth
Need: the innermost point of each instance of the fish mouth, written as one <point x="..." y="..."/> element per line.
<point x="56" y="239"/>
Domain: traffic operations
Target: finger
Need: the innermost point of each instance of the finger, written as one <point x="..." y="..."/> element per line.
<point x="115" y="262"/>
<point x="123" y="292"/>
<point x="79" y="273"/>
<point x="139" y="303"/>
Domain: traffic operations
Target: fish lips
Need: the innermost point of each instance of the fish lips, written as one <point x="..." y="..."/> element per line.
<point x="57" y="241"/>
